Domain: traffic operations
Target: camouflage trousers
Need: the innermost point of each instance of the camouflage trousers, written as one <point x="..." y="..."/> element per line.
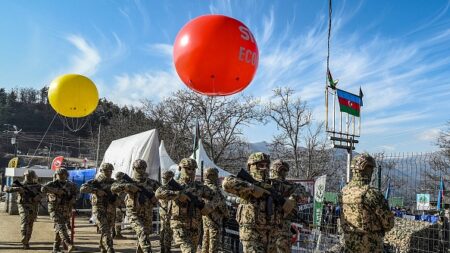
<point x="282" y="234"/>
<point x="28" y="214"/>
<point x="142" y="225"/>
<point x="165" y="233"/>
<point x="119" y="220"/>
<point x="60" y="220"/>
<point x="212" y="236"/>
<point x="105" y="223"/>
<point x="185" y="235"/>
<point x="257" y="239"/>
<point x="363" y="242"/>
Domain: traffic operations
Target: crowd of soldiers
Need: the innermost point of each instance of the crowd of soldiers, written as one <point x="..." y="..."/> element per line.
<point x="267" y="204"/>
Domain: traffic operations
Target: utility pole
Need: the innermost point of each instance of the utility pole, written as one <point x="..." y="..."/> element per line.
<point x="14" y="141"/>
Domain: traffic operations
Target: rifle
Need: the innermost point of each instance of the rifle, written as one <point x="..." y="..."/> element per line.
<point x="111" y="196"/>
<point x="273" y="197"/>
<point x="144" y="192"/>
<point x="194" y="200"/>
<point x="66" y="197"/>
<point x="30" y="192"/>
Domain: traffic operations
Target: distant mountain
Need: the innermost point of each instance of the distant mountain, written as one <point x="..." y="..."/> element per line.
<point x="262" y="146"/>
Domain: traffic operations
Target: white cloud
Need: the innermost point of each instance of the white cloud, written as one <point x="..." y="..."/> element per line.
<point x="221" y="7"/>
<point x="130" y="89"/>
<point x="160" y="49"/>
<point x="429" y="134"/>
<point x="87" y="60"/>
<point x="268" y="26"/>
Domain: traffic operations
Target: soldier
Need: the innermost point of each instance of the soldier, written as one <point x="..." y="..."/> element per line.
<point x="165" y="207"/>
<point x="103" y="205"/>
<point x="187" y="206"/>
<point x="28" y="197"/>
<point x="294" y="193"/>
<point x="140" y="200"/>
<point x="61" y="195"/>
<point x="213" y="222"/>
<point x="366" y="215"/>
<point x="255" y="213"/>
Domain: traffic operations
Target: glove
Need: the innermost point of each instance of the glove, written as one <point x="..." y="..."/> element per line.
<point x="100" y="193"/>
<point x="183" y="197"/>
<point x="154" y="200"/>
<point x="289" y="205"/>
<point x="131" y="188"/>
<point x="207" y="209"/>
<point x="257" y="191"/>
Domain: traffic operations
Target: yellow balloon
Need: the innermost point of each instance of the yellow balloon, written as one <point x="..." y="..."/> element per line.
<point x="73" y="95"/>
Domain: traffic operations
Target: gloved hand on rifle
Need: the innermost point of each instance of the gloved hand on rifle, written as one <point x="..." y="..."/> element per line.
<point x="258" y="192"/>
<point x="288" y="206"/>
<point x="131" y="188"/>
<point x="100" y="192"/>
<point x="183" y="197"/>
<point x="207" y="209"/>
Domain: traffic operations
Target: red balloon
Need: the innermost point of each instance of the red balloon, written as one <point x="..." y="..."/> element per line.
<point x="215" y="55"/>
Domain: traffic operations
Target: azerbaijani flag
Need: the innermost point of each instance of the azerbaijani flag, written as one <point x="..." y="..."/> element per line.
<point x="349" y="103"/>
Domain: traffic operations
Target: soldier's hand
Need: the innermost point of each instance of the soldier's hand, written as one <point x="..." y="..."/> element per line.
<point x="37" y="198"/>
<point x="183" y="197"/>
<point x="207" y="209"/>
<point x="100" y="193"/>
<point x="59" y="192"/>
<point x="289" y="205"/>
<point x="131" y="188"/>
<point x="6" y="188"/>
<point x="258" y="192"/>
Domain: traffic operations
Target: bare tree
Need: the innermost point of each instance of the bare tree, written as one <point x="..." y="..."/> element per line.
<point x="220" y="119"/>
<point x="291" y="115"/>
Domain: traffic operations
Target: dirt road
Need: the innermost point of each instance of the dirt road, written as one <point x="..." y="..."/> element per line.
<point x="86" y="238"/>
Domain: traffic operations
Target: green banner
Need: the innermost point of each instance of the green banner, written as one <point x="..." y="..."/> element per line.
<point x="319" y="194"/>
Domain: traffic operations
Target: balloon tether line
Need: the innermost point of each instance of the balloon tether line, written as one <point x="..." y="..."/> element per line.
<point x="46" y="131"/>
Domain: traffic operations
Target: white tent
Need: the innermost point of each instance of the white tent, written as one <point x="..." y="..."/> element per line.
<point x="201" y="155"/>
<point x="123" y="152"/>
<point x="166" y="162"/>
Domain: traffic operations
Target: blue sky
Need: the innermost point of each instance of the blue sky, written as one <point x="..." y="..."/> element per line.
<point x="398" y="51"/>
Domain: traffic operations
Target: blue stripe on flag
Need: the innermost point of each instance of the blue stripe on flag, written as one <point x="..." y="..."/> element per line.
<point x="349" y="96"/>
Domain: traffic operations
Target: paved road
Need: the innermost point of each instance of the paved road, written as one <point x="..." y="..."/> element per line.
<point x="86" y="238"/>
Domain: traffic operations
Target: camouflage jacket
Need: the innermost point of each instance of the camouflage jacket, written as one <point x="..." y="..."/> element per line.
<point x="107" y="201"/>
<point x="251" y="211"/>
<point x="31" y="195"/>
<point x="132" y="198"/>
<point x="165" y="206"/>
<point x="220" y="208"/>
<point x="287" y="190"/>
<point x="184" y="211"/>
<point x="66" y="199"/>
<point x="365" y="210"/>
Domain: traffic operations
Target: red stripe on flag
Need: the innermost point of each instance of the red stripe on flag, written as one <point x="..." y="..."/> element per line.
<point x="349" y="103"/>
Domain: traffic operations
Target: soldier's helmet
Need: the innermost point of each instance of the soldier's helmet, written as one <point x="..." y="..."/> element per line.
<point x="106" y="166"/>
<point x="362" y="162"/>
<point x="139" y="163"/>
<point x="31" y="173"/>
<point x="279" y="165"/>
<point x="257" y="158"/>
<point x="188" y="163"/>
<point x="212" y="174"/>
<point x="168" y="174"/>
<point x="61" y="171"/>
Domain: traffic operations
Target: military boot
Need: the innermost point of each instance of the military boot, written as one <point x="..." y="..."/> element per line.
<point x="70" y="248"/>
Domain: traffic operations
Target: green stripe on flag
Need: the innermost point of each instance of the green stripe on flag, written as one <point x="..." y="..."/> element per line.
<point x="349" y="110"/>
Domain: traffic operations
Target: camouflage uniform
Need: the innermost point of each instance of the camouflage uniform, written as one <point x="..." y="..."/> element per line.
<point x="365" y="212"/>
<point x="139" y="208"/>
<point x="61" y="195"/>
<point x="165" y="207"/>
<point x="186" y="218"/>
<point x="213" y="222"/>
<point x="293" y="192"/>
<point x="120" y="215"/>
<point x="103" y="205"/>
<point x="28" y="198"/>
<point x="255" y="213"/>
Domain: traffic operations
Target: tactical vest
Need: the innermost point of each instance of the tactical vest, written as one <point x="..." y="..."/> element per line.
<point x="358" y="215"/>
